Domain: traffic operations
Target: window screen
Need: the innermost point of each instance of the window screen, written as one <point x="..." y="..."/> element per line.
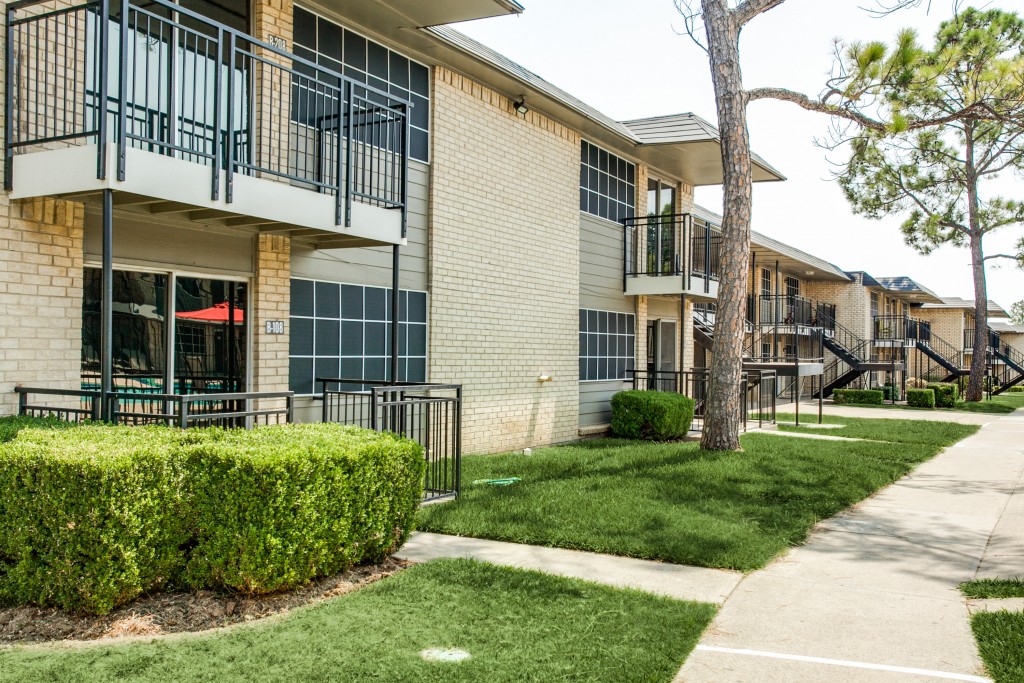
<point x="607" y="343"/>
<point x="607" y="184"/>
<point x="344" y="331"/>
<point x="327" y="44"/>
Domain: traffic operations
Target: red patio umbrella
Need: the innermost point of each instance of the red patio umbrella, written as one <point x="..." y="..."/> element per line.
<point x="218" y="313"/>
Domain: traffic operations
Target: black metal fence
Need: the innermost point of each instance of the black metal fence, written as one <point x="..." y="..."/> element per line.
<point x="758" y="397"/>
<point x="238" y="409"/>
<point x="993" y="339"/>
<point x="430" y="414"/>
<point x="154" y="75"/>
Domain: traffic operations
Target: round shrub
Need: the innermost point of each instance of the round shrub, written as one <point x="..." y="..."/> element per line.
<point x="921" y="398"/>
<point x="651" y="415"/>
<point x="93" y="516"/>
<point x="946" y="394"/>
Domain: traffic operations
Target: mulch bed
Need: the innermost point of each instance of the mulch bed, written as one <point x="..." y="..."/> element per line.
<point x="165" y="613"/>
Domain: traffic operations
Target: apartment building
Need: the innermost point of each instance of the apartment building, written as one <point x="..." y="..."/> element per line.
<point x="219" y="197"/>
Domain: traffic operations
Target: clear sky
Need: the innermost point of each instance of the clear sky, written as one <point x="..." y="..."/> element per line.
<point x="631" y="59"/>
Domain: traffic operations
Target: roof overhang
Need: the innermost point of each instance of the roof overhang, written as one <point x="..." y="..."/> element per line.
<point x="908" y="290"/>
<point x="382" y="14"/>
<point x="699" y="162"/>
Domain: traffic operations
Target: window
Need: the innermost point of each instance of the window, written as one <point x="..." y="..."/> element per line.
<point x="607" y="184"/>
<point x="607" y="342"/>
<point x="766" y="282"/>
<point x="874" y="304"/>
<point x="661" y="234"/>
<point x="344" y="331"/>
<point x="792" y="286"/>
<point x="327" y="44"/>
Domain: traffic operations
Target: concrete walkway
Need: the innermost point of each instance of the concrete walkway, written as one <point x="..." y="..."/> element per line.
<point x="872" y="596"/>
<point x="809" y="413"/>
<point x="661" y="578"/>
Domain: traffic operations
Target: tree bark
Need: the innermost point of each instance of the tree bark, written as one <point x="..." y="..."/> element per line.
<point x="979" y="357"/>
<point x="723" y="409"/>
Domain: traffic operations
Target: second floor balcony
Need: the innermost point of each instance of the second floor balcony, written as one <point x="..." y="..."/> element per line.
<point x="899" y="330"/>
<point x="171" y="107"/>
<point x="994" y="341"/>
<point x="790" y="311"/>
<point x="671" y="254"/>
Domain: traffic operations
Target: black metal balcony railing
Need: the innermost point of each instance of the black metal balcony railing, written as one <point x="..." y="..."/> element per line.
<point x="792" y="309"/>
<point x="993" y="339"/>
<point x="900" y="328"/>
<point x="676" y="244"/>
<point x="155" y="76"/>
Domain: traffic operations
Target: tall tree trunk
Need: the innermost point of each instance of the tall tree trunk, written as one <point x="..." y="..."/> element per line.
<point x="979" y="357"/>
<point x="723" y="410"/>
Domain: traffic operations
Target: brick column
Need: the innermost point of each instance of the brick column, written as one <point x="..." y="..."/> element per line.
<point x="40" y="296"/>
<point x="272" y="87"/>
<point x="271" y="300"/>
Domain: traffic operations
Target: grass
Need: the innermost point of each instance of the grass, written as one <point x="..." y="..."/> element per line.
<point x="895" y="431"/>
<point x="517" y="626"/>
<point x="999" y="405"/>
<point x="674" y="502"/>
<point x="993" y="588"/>
<point x="1000" y="637"/>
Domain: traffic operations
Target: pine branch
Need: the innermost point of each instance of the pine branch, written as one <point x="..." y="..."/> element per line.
<point x="751" y="8"/>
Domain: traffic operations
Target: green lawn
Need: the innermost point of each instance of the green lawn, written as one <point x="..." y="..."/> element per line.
<point x="897" y="431"/>
<point x="674" y="502"/>
<point x="998" y="405"/>
<point x="1000" y="637"/>
<point x="516" y="625"/>
<point x="993" y="588"/>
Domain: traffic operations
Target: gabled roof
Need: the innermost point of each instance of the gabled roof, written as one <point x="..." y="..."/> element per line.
<point x="689" y="146"/>
<point x="790" y="258"/>
<point x="902" y="284"/>
<point x="1007" y="328"/>
<point x="866" y="278"/>
<point x="682" y="144"/>
<point x="967" y="305"/>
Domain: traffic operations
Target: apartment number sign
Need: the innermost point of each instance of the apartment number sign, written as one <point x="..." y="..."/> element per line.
<point x="277" y="41"/>
<point x="275" y="327"/>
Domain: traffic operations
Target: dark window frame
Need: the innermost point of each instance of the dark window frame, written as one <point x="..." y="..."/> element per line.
<point x="607" y="330"/>
<point x="599" y="169"/>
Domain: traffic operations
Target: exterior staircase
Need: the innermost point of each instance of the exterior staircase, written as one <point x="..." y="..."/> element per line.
<point x="1013" y="371"/>
<point x="852" y="358"/>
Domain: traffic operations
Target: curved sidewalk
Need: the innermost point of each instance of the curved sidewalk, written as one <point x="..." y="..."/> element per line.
<point x="872" y="596"/>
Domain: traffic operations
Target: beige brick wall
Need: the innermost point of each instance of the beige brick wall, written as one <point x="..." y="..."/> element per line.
<point x="852" y="300"/>
<point x="947" y="323"/>
<point x="271" y="300"/>
<point x="504" y="255"/>
<point x="40" y="295"/>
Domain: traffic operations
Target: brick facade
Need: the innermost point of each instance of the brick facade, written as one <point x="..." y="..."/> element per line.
<point x="271" y="300"/>
<point x="40" y="295"/>
<point x="504" y="258"/>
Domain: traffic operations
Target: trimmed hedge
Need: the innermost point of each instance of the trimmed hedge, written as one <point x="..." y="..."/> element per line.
<point x="921" y="398"/>
<point x="946" y="394"/>
<point x="1016" y="390"/>
<point x="651" y="415"/>
<point x="94" y="516"/>
<point x="890" y="393"/>
<point x="855" y="396"/>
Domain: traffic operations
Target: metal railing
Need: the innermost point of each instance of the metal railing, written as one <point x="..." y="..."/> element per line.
<point x="672" y="244"/>
<point x="993" y="339"/>
<point x="430" y="414"/>
<point x="900" y="328"/>
<point x="758" y="398"/>
<point x="155" y="76"/>
<point x="793" y="309"/>
<point x="237" y="409"/>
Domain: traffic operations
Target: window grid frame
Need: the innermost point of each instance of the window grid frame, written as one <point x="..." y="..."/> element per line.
<point x="591" y="173"/>
<point x="405" y="92"/>
<point x="599" y="360"/>
<point x="404" y="359"/>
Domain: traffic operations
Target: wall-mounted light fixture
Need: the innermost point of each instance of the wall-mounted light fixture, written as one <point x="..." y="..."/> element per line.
<point x="545" y="378"/>
<point x="520" y="106"/>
